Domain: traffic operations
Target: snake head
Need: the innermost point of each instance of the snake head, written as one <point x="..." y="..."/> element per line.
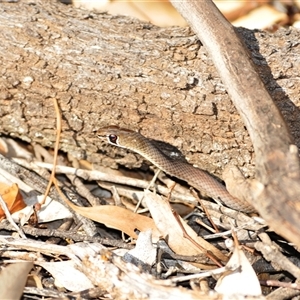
<point x="112" y="134"/>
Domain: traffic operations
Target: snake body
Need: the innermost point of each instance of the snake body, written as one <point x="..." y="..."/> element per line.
<point x="195" y="177"/>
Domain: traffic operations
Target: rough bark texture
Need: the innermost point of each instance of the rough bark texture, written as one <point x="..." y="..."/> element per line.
<point x="116" y="70"/>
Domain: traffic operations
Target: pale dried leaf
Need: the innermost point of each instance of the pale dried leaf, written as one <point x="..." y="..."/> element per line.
<point x="144" y="250"/>
<point x="67" y="276"/>
<point x="52" y="210"/>
<point x="240" y="278"/>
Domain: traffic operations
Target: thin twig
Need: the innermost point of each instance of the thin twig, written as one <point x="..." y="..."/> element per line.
<point x="205" y="211"/>
<point x="200" y="275"/>
<point x="148" y="187"/>
<point x="185" y="235"/>
<point x="10" y="219"/>
<point x="58" y="133"/>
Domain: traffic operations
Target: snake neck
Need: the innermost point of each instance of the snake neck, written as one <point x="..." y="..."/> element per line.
<point x="195" y="177"/>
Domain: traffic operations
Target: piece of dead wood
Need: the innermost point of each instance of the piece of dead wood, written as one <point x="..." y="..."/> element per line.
<point x="276" y="192"/>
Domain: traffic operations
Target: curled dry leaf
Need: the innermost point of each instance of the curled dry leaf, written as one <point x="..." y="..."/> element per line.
<point x="169" y="227"/>
<point x="12" y="197"/>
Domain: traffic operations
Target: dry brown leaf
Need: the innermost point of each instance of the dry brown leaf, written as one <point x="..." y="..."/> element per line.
<point x="13" y="279"/>
<point x="3" y="147"/>
<point x="118" y="218"/>
<point x="12" y="197"/>
<point x="261" y="18"/>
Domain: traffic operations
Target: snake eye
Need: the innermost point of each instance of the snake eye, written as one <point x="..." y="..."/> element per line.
<point x="113" y="138"/>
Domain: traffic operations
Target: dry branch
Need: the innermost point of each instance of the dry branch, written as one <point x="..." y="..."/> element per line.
<point x="276" y="191"/>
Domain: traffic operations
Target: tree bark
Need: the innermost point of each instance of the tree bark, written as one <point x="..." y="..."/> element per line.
<point x="106" y="69"/>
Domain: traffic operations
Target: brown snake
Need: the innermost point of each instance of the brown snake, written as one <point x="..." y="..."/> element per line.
<point x="195" y="177"/>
